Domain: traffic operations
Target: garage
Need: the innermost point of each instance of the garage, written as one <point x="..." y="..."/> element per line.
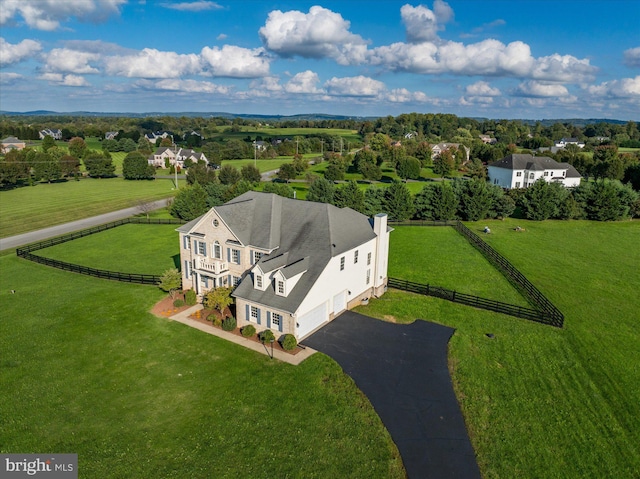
<point x="312" y="320"/>
<point x="340" y="302"/>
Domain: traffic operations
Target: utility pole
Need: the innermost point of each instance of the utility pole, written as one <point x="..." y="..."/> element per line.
<point x="175" y="159"/>
<point x="255" y="153"/>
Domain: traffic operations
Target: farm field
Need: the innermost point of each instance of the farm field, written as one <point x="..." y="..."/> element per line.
<point x="34" y="207"/>
<point x="541" y="401"/>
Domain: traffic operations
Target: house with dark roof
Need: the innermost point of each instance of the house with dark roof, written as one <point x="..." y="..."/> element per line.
<point x="522" y="171"/>
<point x="294" y="265"/>
<point x="55" y="133"/>
<point x="176" y="156"/>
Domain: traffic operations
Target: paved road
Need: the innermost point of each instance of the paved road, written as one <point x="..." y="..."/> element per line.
<point x="402" y="369"/>
<point x="12" y="242"/>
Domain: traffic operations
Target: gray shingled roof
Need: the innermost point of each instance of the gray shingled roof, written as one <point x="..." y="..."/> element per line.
<point x="309" y="233"/>
<point x="527" y="162"/>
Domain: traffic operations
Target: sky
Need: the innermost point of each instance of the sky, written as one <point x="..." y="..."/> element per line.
<point x="509" y="59"/>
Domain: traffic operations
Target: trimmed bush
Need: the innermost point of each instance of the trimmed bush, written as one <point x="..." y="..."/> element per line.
<point x="229" y="324"/>
<point x="267" y="336"/>
<point x="212" y="317"/>
<point x="190" y="297"/>
<point x="288" y="342"/>
<point x="248" y="331"/>
<point x="217" y="320"/>
<point x="178" y="303"/>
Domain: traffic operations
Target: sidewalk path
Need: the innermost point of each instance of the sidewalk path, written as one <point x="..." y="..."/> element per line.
<point x="295" y="359"/>
<point x="12" y="242"/>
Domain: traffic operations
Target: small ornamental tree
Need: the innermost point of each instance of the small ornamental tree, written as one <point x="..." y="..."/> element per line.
<point x="218" y="298"/>
<point x="170" y="281"/>
<point x="136" y="167"/>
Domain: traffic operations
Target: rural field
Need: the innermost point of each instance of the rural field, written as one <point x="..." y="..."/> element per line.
<point x="85" y="368"/>
<point x="34" y="207"/>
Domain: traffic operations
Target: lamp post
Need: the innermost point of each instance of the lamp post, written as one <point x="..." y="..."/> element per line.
<point x="271" y="341"/>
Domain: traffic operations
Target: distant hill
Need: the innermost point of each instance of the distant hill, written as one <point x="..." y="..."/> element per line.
<point x="579" y="122"/>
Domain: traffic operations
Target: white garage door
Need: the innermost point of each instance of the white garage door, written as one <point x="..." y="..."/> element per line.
<point x="312" y="320"/>
<point x="340" y="302"/>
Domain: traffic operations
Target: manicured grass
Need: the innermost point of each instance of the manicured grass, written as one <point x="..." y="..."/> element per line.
<point x="86" y="369"/>
<point x="263" y="165"/>
<point x="34" y="207"/>
<point x="117" y="249"/>
<point x="540" y="401"/>
<point x="440" y="256"/>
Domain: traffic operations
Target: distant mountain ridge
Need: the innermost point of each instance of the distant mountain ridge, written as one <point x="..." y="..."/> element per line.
<point x="303" y="116"/>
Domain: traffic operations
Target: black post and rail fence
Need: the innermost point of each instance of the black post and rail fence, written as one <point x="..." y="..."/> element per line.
<point x="26" y="252"/>
<point x="543" y="311"/>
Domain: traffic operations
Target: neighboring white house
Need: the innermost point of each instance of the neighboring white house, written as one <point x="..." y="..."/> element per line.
<point x="295" y="265"/>
<point x="111" y="135"/>
<point x="12" y="143"/>
<point x="522" y="171"/>
<point x="569" y="141"/>
<point x="176" y="156"/>
<point x="154" y="136"/>
<point x="55" y="133"/>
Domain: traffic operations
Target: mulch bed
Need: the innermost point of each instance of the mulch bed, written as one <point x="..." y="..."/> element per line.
<point x="165" y="307"/>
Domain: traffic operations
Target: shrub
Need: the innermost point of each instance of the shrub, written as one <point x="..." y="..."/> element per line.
<point x="248" y="331"/>
<point x="229" y="324"/>
<point x="217" y="320"/>
<point x="178" y="303"/>
<point x="267" y="336"/>
<point x="288" y="342"/>
<point x="212" y="317"/>
<point x="190" y="297"/>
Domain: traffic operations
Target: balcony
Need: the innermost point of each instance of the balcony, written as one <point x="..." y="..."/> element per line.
<point x="214" y="267"/>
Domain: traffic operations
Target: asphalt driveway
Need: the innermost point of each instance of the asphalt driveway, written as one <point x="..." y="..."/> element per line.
<point x="402" y="369"/>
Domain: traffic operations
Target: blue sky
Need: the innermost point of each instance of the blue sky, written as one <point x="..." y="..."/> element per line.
<point x="494" y="58"/>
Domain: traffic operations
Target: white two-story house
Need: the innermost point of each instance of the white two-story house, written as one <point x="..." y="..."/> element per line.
<point x="294" y="265"/>
<point x="176" y="156"/>
<point x="523" y="170"/>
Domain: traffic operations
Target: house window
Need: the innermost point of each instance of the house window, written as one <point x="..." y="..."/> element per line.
<point x="355" y="257"/>
<point x="368" y="276"/>
<point x="368" y="259"/>
<point x="235" y="256"/>
<point x="276" y="320"/>
<point x="187" y="243"/>
<point x="342" y="264"/>
<point x="217" y="250"/>
<point x="519" y="173"/>
<point x="564" y="173"/>
<point x="236" y="280"/>
<point x="254" y="313"/>
<point x="280" y="287"/>
<point x="201" y="247"/>
<point x="215" y="222"/>
<point x="256" y="256"/>
<point x="531" y="176"/>
<point x="546" y="173"/>
<point x="517" y="184"/>
<point x="259" y="281"/>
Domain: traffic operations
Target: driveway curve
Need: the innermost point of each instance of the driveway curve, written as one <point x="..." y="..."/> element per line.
<point x="403" y="371"/>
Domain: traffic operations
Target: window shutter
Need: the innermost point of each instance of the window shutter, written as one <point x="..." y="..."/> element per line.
<point x="205" y="248"/>
<point x="248" y="317"/>
<point x="228" y="255"/>
<point x="259" y="316"/>
<point x="280" y="326"/>
<point x="268" y="319"/>
<point x="252" y="257"/>
<point x="230" y="282"/>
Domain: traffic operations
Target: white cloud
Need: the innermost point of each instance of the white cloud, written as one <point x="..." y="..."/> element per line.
<point x="303" y="82"/>
<point x="317" y="34"/>
<point x="235" y="62"/>
<point x="151" y="63"/>
<point x="488" y="57"/>
<point x="632" y="57"/>
<point x="222" y="36"/>
<point x="71" y="61"/>
<point x="186" y="86"/>
<point x="422" y="24"/>
<point x="481" y="88"/>
<point x="359" y="86"/>
<point x="268" y="84"/>
<point x="402" y="95"/>
<point x="13" y="53"/>
<point x="192" y="6"/>
<point x="47" y="14"/>
<point x="64" y="80"/>
<point x="7" y="78"/>
<point x="538" y="89"/>
<point x="623" y="88"/>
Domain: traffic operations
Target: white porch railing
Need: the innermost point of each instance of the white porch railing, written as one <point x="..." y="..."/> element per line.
<point x="215" y="267"/>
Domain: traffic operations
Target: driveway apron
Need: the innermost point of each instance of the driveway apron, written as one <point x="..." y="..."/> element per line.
<point x="402" y="369"/>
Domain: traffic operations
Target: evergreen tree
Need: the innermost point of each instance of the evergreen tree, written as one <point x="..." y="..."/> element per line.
<point x="474" y="199"/>
<point x="373" y="201"/>
<point x="99" y="165"/>
<point x="349" y="196"/>
<point x="228" y="175"/>
<point x="190" y="202"/>
<point x="251" y="173"/>
<point x="408" y="168"/>
<point x="136" y="167"/>
<point x="398" y="203"/>
<point x="321" y="191"/>
<point x="543" y="200"/>
<point x="201" y="173"/>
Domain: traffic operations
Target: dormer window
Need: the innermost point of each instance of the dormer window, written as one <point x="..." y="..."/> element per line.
<point x="280" y="286"/>
<point x="259" y="281"/>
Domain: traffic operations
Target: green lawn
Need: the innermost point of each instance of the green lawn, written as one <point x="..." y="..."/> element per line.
<point x="540" y="401"/>
<point x="263" y="165"/>
<point x="86" y="369"/>
<point x="117" y="249"/>
<point x="34" y="207"/>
